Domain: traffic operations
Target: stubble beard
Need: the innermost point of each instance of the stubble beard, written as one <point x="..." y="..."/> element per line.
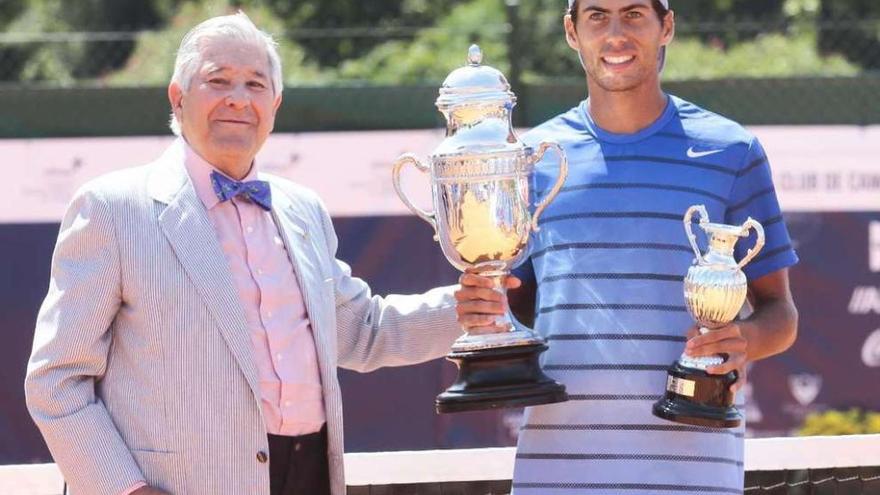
<point x="617" y="83"/>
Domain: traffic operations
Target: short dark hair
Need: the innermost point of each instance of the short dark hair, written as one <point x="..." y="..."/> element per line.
<point x="659" y="9"/>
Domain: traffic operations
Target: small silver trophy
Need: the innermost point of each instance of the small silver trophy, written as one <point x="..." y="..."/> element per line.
<point x="480" y="177"/>
<point x="714" y="292"/>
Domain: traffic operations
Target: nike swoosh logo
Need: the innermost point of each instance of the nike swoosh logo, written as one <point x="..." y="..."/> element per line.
<point x="699" y="154"/>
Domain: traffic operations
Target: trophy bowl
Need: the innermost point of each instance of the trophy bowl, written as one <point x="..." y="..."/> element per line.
<point x="480" y="178"/>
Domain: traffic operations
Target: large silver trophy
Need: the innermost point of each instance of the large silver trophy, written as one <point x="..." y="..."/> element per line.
<point x="714" y="292"/>
<point x="480" y="176"/>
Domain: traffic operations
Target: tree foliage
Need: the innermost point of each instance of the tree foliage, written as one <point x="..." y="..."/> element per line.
<point x="340" y="14"/>
<point x="74" y="59"/>
<point x="419" y="41"/>
<point x="436" y="51"/>
<point x="842" y="29"/>
<point x="153" y="60"/>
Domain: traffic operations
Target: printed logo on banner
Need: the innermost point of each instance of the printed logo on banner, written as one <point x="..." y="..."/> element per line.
<point x="805" y="387"/>
<point x="865" y="300"/>
<point x="871" y="350"/>
<point x="874" y="246"/>
<point x="58" y="183"/>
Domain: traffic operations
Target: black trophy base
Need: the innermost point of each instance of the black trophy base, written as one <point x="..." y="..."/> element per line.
<point x="498" y="378"/>
<point x="694" y="397"/>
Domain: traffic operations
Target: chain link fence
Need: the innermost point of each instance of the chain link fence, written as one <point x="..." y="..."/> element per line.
<point x="63" y="59"/>
<point x="704" y="50"/>
<point x="789" y="70"/>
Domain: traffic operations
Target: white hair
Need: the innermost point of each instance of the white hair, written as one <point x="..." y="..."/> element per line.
<point x="237" y="26"/>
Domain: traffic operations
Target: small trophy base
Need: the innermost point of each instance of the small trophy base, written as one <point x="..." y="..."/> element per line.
<point x="497" y="378"/>
<point x="694" y="397"/>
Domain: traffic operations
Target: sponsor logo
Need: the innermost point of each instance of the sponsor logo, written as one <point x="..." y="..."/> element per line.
<point x="865" y="300"/>
<point x="692" y="153"/>
<point x="805" y="387"/>
<point x="871" y="350"/>
<point x="874" y="246"/>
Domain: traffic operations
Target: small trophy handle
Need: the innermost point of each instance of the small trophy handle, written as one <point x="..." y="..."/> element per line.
<point x="751" y="223"/>
<point x="704" y="219"/>
<point x="429" y="217"/>
<point x="560" y="180"/>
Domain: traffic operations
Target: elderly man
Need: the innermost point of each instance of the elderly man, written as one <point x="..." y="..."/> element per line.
<point x="196" y="313"/>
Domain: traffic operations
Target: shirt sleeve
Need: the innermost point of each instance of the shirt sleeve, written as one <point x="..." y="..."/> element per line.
<point x="72" y="340"/>
<point x="754" y="196"/>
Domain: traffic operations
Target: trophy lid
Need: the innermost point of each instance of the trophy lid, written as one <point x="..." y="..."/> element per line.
<point x="475" y="83"/>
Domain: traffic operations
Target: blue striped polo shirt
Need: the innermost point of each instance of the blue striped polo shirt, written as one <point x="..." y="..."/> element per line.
<point x="609" y="262"/>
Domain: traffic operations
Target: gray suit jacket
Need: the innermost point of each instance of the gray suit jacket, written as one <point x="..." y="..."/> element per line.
<point x="142" y="364"/>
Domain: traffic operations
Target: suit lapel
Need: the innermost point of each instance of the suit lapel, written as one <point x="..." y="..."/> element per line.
<point x="291" y="221"/>
<point x="188" y="229"/>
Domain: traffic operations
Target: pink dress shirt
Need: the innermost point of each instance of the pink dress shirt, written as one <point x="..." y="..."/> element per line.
<point x="281" y="334"/>
<point x="280" y="331"/>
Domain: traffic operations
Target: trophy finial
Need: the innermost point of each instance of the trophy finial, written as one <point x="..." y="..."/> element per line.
<point x="475" y="55"/>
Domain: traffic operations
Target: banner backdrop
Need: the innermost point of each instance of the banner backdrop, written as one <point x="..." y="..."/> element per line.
<point x="827" y="178"/>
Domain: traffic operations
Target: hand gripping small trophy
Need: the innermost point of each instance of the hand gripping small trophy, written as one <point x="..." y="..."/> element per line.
<point x="480" y="182"/>
<point x="714" y="291"/>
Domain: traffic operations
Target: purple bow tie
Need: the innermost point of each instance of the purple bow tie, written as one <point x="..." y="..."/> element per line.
<point x="255" y="190"/>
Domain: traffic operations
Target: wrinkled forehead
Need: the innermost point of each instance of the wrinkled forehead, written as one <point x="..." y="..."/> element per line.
<point x="228" y="53"/>
<point x="664" y="2"/>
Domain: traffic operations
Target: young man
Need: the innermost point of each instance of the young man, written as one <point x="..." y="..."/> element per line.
<point x="604" y="278"/>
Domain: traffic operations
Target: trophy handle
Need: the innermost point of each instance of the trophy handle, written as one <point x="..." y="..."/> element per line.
<point x="704" y="219"/>
<point x="751" y="223"/>
<point x="429" y="217"/>
<point x="560" y="180"/>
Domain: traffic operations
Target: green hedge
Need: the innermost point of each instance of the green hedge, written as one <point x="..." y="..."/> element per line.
<point x="851" y="422"/>
<point x="43" y="112"/>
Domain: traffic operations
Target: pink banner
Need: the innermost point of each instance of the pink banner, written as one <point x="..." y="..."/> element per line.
<point x="815" y="168"/>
